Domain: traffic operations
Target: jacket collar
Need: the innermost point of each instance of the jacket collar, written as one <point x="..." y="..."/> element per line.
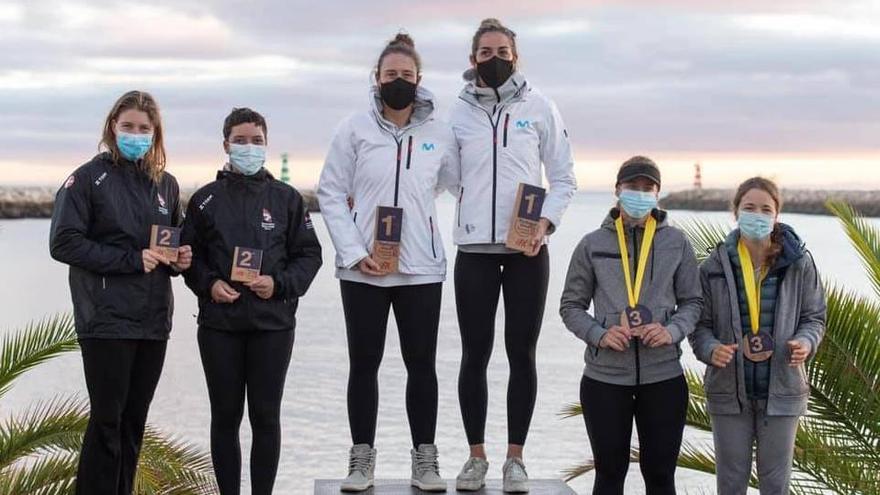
<point x="512" y="89"/>
<point x="661" y="216"/>
<point x="423" y="109"/>
<point x="793" y="247"/>
<point x="228" y="174"/>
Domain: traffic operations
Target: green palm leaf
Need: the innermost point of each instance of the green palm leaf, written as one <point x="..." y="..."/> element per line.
<point x="55" y="425"/>
<point x="36" y="343"/>
<point x="39" y="448"/>
<point x="704" y="236"/>
<point x="864" y="237"/>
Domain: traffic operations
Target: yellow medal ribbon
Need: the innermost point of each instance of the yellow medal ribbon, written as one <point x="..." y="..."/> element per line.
<point x="753" y="287"/>
<point x="650" y="228"/>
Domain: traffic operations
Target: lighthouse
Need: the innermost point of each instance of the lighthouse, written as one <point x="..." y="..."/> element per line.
<point x="698" y="176"/>
<point x="285" y="172"/>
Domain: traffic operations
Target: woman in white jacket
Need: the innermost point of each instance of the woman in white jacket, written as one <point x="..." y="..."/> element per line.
<point x="393" y="155"/>
<point x="506" y="130"/>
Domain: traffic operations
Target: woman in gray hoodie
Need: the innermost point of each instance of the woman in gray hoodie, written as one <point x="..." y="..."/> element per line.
<point x="641" y="277"/>
<point x="763" y="317"/>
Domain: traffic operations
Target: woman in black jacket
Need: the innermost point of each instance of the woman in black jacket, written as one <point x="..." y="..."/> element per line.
<point x="260" y="225"/>
<point x="121" y="289"/>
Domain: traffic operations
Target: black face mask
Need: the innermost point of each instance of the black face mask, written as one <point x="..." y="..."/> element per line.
<point x="398" y="94"/>
<point x="495" y="71"/>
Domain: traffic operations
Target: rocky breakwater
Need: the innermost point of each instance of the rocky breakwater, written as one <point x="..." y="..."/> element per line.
<point x="811" y="202"/>
<point x="37" y="201"/>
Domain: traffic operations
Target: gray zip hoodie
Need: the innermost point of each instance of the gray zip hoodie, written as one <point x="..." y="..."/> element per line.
<point x="671" y="291"/>
<point x="800" y="315"/>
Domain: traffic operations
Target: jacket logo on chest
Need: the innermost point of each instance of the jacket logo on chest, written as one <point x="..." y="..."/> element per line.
<point x="427" y="146"/>
<point x="100" y="179"/>
<point x="163" y="209"/>
<point x="268" y="223"/>
<point x="523" y="124"/>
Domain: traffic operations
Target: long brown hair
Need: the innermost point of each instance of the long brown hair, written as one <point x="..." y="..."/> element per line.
<point x="492" y="25"/>
<point x="769" y="187"/>
<point x="154" y="160"/>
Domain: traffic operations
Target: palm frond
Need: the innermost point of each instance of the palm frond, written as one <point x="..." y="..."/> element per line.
<point x="49" y="475"/>
<point x="864" y="237"/>
<point x="47" y="426"/>
<point x="171" y="466"/>
<point x="36" y="343"/>
<point x="704" y="236"/>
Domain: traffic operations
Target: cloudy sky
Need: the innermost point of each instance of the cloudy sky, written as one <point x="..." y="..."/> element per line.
<point x="789" y="89"/>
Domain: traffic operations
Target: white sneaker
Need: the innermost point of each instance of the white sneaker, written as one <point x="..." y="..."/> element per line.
<point x="426" y="469"/>
<point x="473" y="475"/>
<point x="361" y="465"/>
<point x="516" y="480"/>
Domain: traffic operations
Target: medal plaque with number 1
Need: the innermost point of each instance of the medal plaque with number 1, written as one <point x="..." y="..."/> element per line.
<point x="386" y="246"/>
<point x="526" y="216"/>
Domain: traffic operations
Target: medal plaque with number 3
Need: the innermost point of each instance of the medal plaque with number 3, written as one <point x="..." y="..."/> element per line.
<point x="386" y="246"/>
<point x="246" y="263"/>
<point x="758" y="347"/>
<point x="526" y="216"/>
<point x="165" y="240"/>
<point x="634" y="317"/>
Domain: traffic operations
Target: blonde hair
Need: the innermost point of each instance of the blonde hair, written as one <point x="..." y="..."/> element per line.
<point x="492" y="25"/>
<point x="154" y="160"/>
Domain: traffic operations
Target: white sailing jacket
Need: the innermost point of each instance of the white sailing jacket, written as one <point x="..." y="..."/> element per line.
<point x="505" y="137"/>
<point x="371" y="163"/>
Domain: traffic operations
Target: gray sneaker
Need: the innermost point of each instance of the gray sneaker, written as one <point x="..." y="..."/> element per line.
<point x="516" y="480"/>
<point x="361" y="464"/>
<point x="426" y="469"/>
<point x="473" y="475"/>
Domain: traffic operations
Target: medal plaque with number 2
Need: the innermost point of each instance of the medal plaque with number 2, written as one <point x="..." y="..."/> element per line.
<point x="246" y="263"/>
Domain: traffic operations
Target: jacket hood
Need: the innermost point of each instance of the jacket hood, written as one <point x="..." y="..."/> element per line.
<point x="423" y="107"/>
<point x="514" y="87"/>
<point x="793" y="247"/>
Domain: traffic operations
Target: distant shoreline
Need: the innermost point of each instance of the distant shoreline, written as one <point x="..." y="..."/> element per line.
<point x="808" y="202"/>
<point x="37" y="201"/>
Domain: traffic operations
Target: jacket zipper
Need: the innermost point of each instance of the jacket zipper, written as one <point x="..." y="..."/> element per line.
<point x="494" y="153"/>
<point x="409" y="153"/>
<point x="460" y="196"/>
<point x="431" y="223"/>
<point x="636" y="341"/>
<point x="494" y="170"/>
<point x="506" y="125"/>
<point x="397" y="173"/>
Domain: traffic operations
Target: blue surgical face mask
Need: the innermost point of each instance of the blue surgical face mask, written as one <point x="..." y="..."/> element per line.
<point x="637" y="204"/>
<point x="247" y="158"/>
<point x="756" y="226"/>
<point x="133" y="147"/>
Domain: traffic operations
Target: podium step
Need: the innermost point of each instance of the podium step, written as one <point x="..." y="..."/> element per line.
<point x="402" y="487"/>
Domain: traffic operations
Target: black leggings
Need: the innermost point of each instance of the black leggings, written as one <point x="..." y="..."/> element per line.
<point x="417" y="311"/>
<point x="121" y="376"/>
<point x="238" y="363"/>
<point x="478" y="280"/>
<point x="659" y="410"/>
